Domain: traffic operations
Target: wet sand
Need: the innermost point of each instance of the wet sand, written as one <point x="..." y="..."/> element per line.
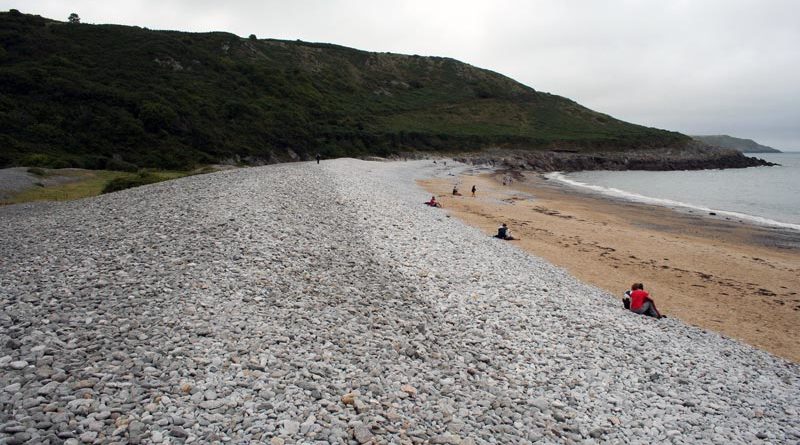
<point x="735" y="278"/>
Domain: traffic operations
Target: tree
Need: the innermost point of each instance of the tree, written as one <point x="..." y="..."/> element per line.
<point x="73" y="18"/>
<point x="156" y="116"/>
<point x="253" y="37"/>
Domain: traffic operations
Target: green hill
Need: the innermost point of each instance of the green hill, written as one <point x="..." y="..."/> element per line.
<point x="743" y="145"/>
<point x="109" y="96"/>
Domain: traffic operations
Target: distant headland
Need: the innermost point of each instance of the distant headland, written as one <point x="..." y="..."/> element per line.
<point x="743" y="145"/>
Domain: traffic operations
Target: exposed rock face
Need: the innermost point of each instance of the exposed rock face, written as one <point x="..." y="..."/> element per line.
<point x="692" y="157"/>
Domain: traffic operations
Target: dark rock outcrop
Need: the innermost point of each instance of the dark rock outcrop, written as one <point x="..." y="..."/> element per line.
<point x="694" y="156"/>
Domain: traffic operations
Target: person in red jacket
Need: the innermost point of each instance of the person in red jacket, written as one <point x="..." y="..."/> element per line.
<point x="641" y="303"/>
<point x="433" y="202"/>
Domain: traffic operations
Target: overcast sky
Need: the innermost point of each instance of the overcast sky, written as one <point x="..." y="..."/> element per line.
<point x="694" y="66"/>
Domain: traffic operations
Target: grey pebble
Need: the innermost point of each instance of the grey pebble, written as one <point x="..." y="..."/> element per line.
<point x="19" y="364"/>
<point x="362" y="434"/>
<point x="177" y="431"/>
<point x="291" y="427"/>
<point x="18" y="438"/>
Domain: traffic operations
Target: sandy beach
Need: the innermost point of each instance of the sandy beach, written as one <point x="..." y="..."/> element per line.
<point x="737" y="279"/>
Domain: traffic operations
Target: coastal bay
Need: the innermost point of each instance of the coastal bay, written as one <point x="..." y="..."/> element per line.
<point x="735" y="278"/>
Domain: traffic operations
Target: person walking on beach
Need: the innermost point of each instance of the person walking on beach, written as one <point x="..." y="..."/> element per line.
<point x="642" y="304"/>
<point x="504" y="233"/>
<point x="473" y="190"/>
<point x="318" y="158"/>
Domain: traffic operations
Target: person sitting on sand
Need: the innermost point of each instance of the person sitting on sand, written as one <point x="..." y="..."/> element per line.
<point x="626" y="299"/>
<point x="455" y="191"/>
<point x="642" y="304"/>
<point x="504" y="233"/>
<point x="433" y="202"/>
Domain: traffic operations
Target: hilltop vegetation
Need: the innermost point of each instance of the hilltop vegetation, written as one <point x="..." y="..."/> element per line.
<point x="123" y="97"/>
<point x="743" y="145"/>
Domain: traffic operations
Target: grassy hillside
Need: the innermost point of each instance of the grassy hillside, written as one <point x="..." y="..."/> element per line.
<point x="121" y="97"/>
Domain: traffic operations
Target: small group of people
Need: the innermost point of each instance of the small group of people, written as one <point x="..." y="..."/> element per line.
<point x="434" y="203"/>
<point x="457" y="193"/>
<point x="638" y="300"/>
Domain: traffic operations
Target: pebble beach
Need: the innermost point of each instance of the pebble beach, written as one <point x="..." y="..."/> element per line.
<point x="304" y="303"/>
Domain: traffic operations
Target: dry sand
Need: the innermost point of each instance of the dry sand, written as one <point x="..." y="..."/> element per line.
<point x="737" y="279"/>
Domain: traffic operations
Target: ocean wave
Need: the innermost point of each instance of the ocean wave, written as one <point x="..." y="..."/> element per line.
<point x="635" y="197"/>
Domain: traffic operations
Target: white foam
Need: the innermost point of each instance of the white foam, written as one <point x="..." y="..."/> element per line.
<point x="635" y="197"/>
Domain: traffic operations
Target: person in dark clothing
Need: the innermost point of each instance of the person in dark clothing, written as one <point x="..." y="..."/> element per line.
<point x="473" y="191"/>
<point x="318" y="158"/>
<point x="504" y="233"/>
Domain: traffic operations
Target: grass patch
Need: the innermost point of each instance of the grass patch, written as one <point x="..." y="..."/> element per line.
<point x="78" y="184"/>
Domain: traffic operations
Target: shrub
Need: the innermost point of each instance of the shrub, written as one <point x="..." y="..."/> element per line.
<point x="123" y="183"/>
<point x="44" y="160"/>
<point x="156" y="116"/>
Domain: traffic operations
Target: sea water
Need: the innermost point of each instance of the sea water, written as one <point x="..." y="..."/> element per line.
<point x="763" y="195"/>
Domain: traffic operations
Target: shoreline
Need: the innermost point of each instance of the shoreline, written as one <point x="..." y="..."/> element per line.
<point x="677" y="206"/>
<point x="736" y="278"/>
